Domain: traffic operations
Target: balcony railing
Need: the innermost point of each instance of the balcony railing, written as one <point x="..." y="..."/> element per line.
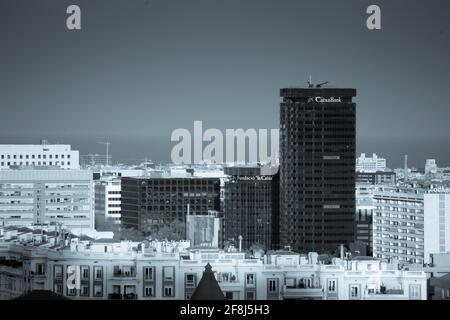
<point x="115" y="296"/>
<point x="130" y="296"/>
<point x="387" y="292"/>
<point x="296" y="292"/>
<point x="124" y="274"/>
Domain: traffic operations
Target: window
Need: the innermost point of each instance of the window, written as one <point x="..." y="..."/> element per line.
<point x="414" y="292"/>
<point x="168" y="291"/>
<point x="98" y="273"/>
<point x="229" y="295"/>
<point x="84" y="272"/>
<point x="250" y="295"/>
<point x="58" y="272"/>
<point x="148" y="291"/>
<point x="98" y="290"/>
<point x="58" y="288"/>
<point x="72" y="292"/>
<point x="148" y="273"/>
<point x="273" y="284"/>
<point x="331" y="285"/>
<point x="84" y="292"/>
<point x="355" y="291"/>
<point x="250" y="279"/>
<point x="190" y="280"/>
<point x="40" y="269"/>
<point x="168" y="273"/>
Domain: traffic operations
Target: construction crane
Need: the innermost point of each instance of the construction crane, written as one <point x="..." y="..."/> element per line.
<point x="107" y="151"/>
<point x="321" y="84"/>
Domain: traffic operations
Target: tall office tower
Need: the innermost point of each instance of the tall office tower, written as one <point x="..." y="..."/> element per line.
<point x="317" y="168"/>
<point x="252" y="206"/>
<point x="149" y="204"/>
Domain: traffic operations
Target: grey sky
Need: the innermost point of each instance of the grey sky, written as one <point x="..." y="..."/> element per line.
<point x="140" y="69"/>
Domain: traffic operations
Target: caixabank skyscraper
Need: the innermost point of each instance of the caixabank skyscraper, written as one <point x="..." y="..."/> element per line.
<point x="317" y="167"/>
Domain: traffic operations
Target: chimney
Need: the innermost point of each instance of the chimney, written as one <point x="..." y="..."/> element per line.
<point x="342" y="251"/>
<point x="240" y="243"/>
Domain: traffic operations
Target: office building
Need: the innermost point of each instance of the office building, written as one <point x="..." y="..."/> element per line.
<point x="252" y="206"/>
<point x="150" y="203"/>
<point x="379" y="177"/>
<point x="44" y="196"/>
<point x="317" y="168"/>
<point x="44" y="154"/>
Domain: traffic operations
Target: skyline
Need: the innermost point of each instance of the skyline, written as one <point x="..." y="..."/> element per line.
<point x="136" y="72"/>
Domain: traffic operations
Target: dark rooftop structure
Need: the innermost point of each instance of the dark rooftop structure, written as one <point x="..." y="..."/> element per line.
<point x="208" y="288"/>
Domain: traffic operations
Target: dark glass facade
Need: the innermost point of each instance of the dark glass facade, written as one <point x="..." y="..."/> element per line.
<point x="252" y="206"/>
<point x="317" y="168"/>
<point x="153" y="202"/>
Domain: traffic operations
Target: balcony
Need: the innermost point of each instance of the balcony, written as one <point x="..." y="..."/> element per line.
<point x="124" y="272"/>
<point x="291" y="292"/>
<point x="130" y="296"/>
<point x="114" y="296"/>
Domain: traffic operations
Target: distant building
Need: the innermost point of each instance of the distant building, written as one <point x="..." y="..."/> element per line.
<point x="411" y="223"/>
<point x="117" y="172"/>
<point x="436" y="224"/>
<point x="34" y="155"/>
<point x="204" y="230"/>
<point x="430" y="167"/>
<point x="370" y="164"/>
<point x="379" y="177"/>
<point x="108" y="199"/>
<point x="251" y="208"/>
<point x="398" y="221"/>
<point x="150" y="203"/>
<point x="95" y="160"/>
<point x="364" y="215"/>
<point x="44" y="196"/>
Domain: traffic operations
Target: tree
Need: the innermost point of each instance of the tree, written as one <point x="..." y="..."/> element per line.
<point x="171" y="231"/>
<point x="120" y="233"/>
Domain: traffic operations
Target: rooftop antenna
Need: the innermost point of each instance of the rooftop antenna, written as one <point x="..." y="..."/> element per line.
<point x="107" y="151"/>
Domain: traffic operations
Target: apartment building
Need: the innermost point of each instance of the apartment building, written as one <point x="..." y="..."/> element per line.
<point x="80" y="268"/>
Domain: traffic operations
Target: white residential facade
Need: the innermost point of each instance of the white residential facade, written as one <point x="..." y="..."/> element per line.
<point x="172" y="270"/>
